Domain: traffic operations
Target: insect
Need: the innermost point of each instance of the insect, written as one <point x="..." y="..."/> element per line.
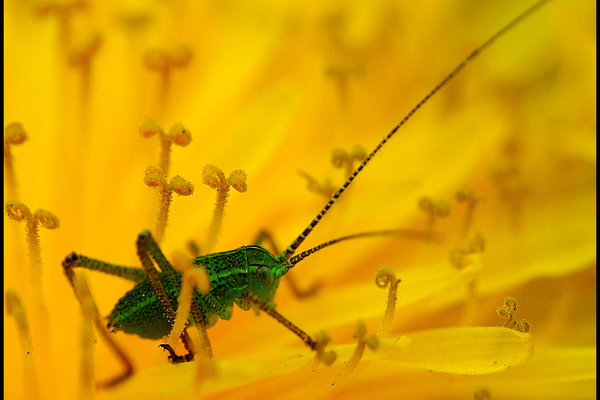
<point x="247" y="277"/>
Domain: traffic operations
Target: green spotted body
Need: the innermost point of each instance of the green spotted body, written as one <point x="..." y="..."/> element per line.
<point x="233" y="275"/>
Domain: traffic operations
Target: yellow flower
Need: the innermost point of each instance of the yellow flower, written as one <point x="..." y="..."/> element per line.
<point x="508" y="148"/>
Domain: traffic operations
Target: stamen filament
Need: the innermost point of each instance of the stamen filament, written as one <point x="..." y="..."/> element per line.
<point x="15" y="308"/>
<point x="386" y="278"/>
<point x="215" y="178"/>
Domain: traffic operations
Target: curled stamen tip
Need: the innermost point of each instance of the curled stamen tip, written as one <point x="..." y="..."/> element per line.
<point x="464" y="194"/>
<point x="338" y="156"/>
<point x="150" y="128"/>
<point x="504" y="312"/>
<point x="442" y="209"/>
<point x="359" y="153"/>
<point x="156" y="60"/>
<point x="511" y="303"/>
<point x="13" y="302"/>
<point x="482" y="393"/>
<point x="237" y="180"/>
<point x="361" y="330"/>
<point x="458" y="258"/>
<point x="372" y="342"/>
<point x="81" y="54"/>
<point x="213" y="176"/>
<point x="14" y="133"/>
<point x="523" y="326"/>
<point x="153" y="177"/>
<point x="384" y="277"/>
<point x="328" y="357"/>
<point x="46" y="219"/>
<point x="181" y="55"/>
<point x="180" y="135"/>
<point x="477" y="244"/>
<point x="181" y="186"/>
<point x="425" y="204"/>
<point x="16" y="210"/>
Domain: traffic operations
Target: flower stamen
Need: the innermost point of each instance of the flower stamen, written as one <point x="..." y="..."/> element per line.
<point x="215" y="178"/>
<point x="193" y="277"/>
<point x="178" y="135"/>
<point x="340" y="158"/>
<point x="363" y="341"/>
<point x="440" y="209"/>
<point x="64" y="13"/>
<point x="507" y="311"/>
<point x="15" y="307"/>
<point x="164" y="62"/>
<point x="386" y="278"/>
<point x="81" y="58"/>
<point x="341" y="75"/>
<point x="18" y="211"/>
<point x="88" y="309"/>
<point x="154" y="177"/>
<point x="468" y="196"/>
<point x="13" y="134"/>
<point x="325" y="189"/>
<point x="326" y="357"/>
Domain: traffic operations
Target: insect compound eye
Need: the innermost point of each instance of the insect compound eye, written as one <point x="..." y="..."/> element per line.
<point x="264" y="276"/>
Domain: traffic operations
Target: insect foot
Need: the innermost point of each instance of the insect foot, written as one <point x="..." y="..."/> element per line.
<point x="174" y="358"/>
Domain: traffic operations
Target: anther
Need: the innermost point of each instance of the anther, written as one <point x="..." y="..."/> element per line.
<point x="325" y="189"/>
<point x="154" y="177"/>
<point x="20" y="212"/>
<point x="507" y="311"/>
<point x="340" y="158"/>
<point x="133" y="21"/>
<point x="462" y="257"/>
<point x="386" y="278"/>
<point x="164" y="62"/>
<point x="363" y="341"/>
<point x="14" y="134"/>
<point x="468" y="196"/>
<point x="321" y="340"/>
<point x="193" y="277"/>
<point x="63" y="12"/>
<point x="81" y="58"/>
<point x="215" y="178"/>
<point x="341" y="75"/>
<point x="440" y="209"/>
<point x="178" y="135"/>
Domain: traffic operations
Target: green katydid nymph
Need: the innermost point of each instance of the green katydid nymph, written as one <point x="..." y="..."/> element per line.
<point x="247" y="277"/>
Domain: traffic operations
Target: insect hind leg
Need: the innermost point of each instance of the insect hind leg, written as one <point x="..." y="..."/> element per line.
<point x="71" y="261"/>
<point x="297" y="291"/>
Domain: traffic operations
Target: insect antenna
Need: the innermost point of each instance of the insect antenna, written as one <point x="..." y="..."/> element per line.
<point x="404" y="233"/>
<point x="291" y="249"/>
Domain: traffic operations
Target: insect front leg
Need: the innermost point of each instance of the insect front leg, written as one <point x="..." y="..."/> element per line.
<point x="298" y="292"/>
<point x="147" y="248"/>
<point x="72" y="261"/>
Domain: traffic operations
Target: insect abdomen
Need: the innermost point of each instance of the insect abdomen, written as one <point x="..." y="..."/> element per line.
<point x="139" y="312"/>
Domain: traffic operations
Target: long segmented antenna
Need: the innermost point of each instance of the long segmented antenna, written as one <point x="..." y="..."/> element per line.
<point x="298" y="241"/>
<point x="404" y="233"/>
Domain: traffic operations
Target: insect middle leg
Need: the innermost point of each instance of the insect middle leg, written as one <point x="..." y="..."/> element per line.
<point x="147" y="248"/>
<point x="270" y="310"/>
<point x="296" y="290"/>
